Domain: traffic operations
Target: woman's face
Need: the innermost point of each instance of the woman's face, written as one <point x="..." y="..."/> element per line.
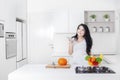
<point x="81" y="31"/>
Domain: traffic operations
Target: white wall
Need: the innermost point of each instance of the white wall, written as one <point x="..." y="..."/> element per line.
<point x="39" y="52"/>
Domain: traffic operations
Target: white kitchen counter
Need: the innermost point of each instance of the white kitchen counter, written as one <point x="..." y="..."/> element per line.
<point x="112" y="59"/>
<point x="39" y="72"/>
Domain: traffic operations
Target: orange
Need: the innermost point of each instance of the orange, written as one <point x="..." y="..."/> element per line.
<point x="93" y="59"/>
<point x="90" y="63"/>
<point x="62" y="61"/>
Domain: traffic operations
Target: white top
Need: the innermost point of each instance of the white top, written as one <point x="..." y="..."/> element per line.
<point x="79" y="52"/>
<point x="39" y="72"/>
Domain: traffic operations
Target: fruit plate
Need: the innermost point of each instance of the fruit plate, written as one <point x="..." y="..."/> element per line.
<point x="94" y="60"/>
<point x="57" y="66"/>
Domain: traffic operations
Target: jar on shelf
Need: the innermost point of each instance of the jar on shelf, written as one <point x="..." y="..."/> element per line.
<point x="100" y="29"/>
<point x="94" y="29"/>
<point x="107" y="29"/>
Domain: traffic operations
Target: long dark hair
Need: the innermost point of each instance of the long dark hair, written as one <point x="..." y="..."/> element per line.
<point x="87" y="37"/>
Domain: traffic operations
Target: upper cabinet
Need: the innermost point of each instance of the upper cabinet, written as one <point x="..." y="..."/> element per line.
<point x="76" y="17"/>
<point x="100" y="21"/>
<point x="2" y="11"/>
<point x="10" y="10"/>
<point x="67" y="20"/>
<point x="60" y="21"/>
<point x="8" y="13"/>
<point x="22" y="9"/>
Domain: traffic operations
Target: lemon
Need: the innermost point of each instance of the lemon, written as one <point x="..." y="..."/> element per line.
<point x="101" y="56"/>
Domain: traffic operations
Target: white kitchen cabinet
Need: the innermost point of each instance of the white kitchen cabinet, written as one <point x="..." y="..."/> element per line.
<point x="2" y="11"/>
<point x="6" y="65"/>
<point x="21" y="63"/>
<point x="21" y="14"/>
<point x="21" y="9"/>
<point x="21" y="43"/>
<point x="2" y="57"/>
<point x="60" y="21"/>
<point x="76" y="17"/>
<point x="40" y="38"/>
<point x="8" y="16"/>
<point x="24" y="40"/>
<point x="66" y="21"/>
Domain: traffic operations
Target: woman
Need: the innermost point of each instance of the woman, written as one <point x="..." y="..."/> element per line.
<point x="80" y="45"/>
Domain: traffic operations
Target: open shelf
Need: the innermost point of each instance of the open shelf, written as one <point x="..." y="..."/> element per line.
<point x="99" y="23"/>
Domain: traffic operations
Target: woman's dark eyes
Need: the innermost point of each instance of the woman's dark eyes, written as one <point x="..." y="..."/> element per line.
<point x="81" y="29"/>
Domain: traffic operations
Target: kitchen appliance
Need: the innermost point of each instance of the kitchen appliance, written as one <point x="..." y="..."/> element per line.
<point x="1" y="30"/>
<point x="11" y="44"/>
<point x="89" y="69"/>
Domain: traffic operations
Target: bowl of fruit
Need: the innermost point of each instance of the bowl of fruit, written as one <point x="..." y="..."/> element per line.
<point x="94" y="60"/>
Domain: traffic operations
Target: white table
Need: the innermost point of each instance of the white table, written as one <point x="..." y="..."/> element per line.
<point x="39" y="72"/>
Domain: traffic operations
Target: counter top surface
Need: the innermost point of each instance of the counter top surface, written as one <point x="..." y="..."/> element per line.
<point x="112" y="59"/>
<point x="38" y="71"/>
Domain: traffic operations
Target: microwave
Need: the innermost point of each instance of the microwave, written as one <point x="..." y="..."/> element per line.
<point x="1" y="30"/>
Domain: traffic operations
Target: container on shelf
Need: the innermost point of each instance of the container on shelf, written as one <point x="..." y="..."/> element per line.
<point x="107" y="29"/>
<point x="100" y="29"/>
<point x="94" y="29"/>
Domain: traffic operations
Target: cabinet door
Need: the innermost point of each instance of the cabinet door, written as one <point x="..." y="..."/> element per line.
<point x="2" y="9"/>
<point x="24" y="40"/>
<point x="21" y="9"/>
<point x="10" y="15"/>
<point x="21" y="63"/>
<point x="76" y="18"/>
<point x="40" y="35"/>
<point x="19" y="41"/>
<point x="60" y="21"/>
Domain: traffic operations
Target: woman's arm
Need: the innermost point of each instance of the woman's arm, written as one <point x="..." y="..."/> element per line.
<point x="70" y="49"/>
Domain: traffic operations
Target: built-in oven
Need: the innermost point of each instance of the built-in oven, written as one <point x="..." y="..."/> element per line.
<point x="11" y="44"/>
